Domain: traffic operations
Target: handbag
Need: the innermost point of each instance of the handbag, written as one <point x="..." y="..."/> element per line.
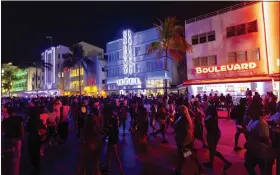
<point x="186" y="151"/>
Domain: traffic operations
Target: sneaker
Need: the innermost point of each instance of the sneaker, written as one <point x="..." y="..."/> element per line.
<point x="237" y="148"/>
<point x="227" y="166"/>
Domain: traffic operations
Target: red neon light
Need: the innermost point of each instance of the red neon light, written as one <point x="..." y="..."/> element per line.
<point x="225" y="68"/>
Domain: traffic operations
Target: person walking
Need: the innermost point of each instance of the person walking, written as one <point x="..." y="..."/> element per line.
<point x="123" y="116"/>
<point x="161" y="118"/>
<point x="238" y="115"/>
<point x="113" y="133"/>
<point x="184" y="137"/>
<point x="198" y="122"/>
<point x="13" y="136"/>
<point x="64" y="120"/>
<point x="92" y="145"/>
<point x="213" y="137"/>
<point x="36" y="135"/>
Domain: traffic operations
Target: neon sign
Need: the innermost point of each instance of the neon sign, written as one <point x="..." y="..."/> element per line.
<point x="128" y="65"/>
<point x="128" y="81"/>
<point x="226" y="68"/>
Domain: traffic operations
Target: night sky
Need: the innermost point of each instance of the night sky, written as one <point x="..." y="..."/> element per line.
<point x="25" y="25"/>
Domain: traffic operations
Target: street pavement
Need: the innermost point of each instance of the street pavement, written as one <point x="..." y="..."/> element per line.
<point x="160" y="158"/>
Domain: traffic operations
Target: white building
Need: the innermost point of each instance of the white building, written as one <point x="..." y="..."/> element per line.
<point x="93" y="80"/>
<point x="234" y="49"/>
<point x="131" y="70"/>
<point x="53" y="78"/>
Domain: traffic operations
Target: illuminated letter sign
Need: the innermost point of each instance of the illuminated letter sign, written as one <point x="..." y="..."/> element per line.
<point x="128" y="64"/>
<point x="225" y="68"/>
<point x="128" y="81"/>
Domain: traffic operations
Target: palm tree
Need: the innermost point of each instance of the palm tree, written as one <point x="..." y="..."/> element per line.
<point x="7" y="79"/>
<point x="171" y="41"/>
<point x="77" y="58"/>
<point x="40" y="64"/>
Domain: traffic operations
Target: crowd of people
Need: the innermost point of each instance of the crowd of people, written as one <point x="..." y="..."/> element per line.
<point x="46" y="120"/>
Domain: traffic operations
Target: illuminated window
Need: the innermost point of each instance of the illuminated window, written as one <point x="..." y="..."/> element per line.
<point x="211" y="36"/>
<point x="230" y="31"/>
<point x="81" y="70"/>
<point x="252" y="26"/>
<point x="253" y="55"/>
<point x="212" y="60"/>
<point x="240" y="29"/>
<point x="117" y="56"/>
<point x="82" y="83"/>
<point x="194" y="39"/>
<point x="58" y="74"/>
<point x="231" y="57"/>
<point x="203" y="61"/>
<point x="62" y="74"/>
<point x="241" y="56"/>
<point x="196" y="62"/>
<point x="202" y="38"/>
<point x="278" y="62"/>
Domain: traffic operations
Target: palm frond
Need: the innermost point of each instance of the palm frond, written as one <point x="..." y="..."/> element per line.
<point x="154" y="46"/>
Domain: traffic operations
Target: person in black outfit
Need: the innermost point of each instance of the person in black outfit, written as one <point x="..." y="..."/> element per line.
<point x="13" y="130"/>
<point x="34" y="128"/>
<point x="113" y="133"/>
<point x="123" y="116"/>
<point x="213" y="137"/>
<point x="238" y="114"/>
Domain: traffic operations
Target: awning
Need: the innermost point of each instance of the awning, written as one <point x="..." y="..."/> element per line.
<point x="229" y="80"/>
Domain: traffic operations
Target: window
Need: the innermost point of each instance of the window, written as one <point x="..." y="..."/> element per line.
<point x="253" y="55"/>
<point x="58" y="56"/>
<point x="113" y="57"/>
<point x="203" y="61"/>
<point x="121" y="55"/>
<point x="103" y="69"/>
<point x="252" y="26"/>
<point x="58" y="65"/>
<point x="194" y="39"/>
<point x="231" y="57"/>
<point x="150" y="65"/>
<point x="202" y="38"/>
<point x="38" y="78"/>
<point x="159" y="64"/>
<point x="240" y="29"/>
<point x="116" y="56"/>
<point x="212" y="60"/>
<point x="109" y="58"/>
<point x="62" y="74"/>
<point x="103" y="81"/>
<point x="211" y="36"/>
<point x="231" y="31"/>
<point x="196" y="62"/>
<point x="241" y="56"/>
<point x="137" y="51"/>
<point x="58" y="75"/>
<point x="42" y="78"/>
<point x="137" y="68"/>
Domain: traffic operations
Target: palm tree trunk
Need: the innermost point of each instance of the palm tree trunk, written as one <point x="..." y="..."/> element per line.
<point x="80" y="87"/>
<point x="36" y="82"/>
<point x="166" y="69"/>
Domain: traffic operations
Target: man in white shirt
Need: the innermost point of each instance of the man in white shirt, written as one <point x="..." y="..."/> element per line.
<point x="258" y="142"/>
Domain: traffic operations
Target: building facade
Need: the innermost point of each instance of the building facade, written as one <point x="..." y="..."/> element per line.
<point x="131" y="70"/>
<point x="234" y="49"/>
<point x="53" y="78"/>
<point x="93" y="79"/>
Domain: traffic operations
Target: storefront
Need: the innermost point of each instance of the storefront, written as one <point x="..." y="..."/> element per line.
<point x="233" y="79"/>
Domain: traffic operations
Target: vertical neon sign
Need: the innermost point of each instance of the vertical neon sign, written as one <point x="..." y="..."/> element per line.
<point x="128" y="62"/>
<point x="125" y="53"/>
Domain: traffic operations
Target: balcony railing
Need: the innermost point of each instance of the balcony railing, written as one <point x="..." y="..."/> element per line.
<point x="221" y="11"/>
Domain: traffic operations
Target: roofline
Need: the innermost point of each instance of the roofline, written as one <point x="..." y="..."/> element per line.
<point x="221" y="11"/>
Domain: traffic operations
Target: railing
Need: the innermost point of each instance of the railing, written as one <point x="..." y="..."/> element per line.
<point x="221" y="11"/>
